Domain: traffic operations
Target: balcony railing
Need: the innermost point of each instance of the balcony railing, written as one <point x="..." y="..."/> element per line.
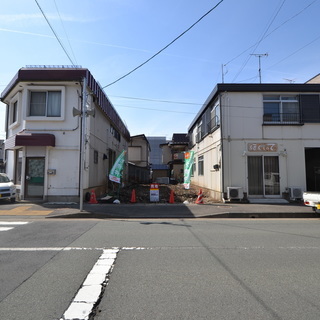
<point x="282" y="118"/>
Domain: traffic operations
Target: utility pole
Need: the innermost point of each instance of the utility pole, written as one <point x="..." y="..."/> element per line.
<point x="222" y="71"/>
<point x="83" y="138"/>
<point x="259" y="55"/>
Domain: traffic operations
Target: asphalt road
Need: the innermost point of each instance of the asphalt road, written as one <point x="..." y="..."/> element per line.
<point x="162" y="269"/>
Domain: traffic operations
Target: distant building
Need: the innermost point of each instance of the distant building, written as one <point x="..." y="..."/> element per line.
<point x="155" y="149"/>
<point x="138" y="159"/>
<point x="173" y="155"/>
<point x="158" y="168"/>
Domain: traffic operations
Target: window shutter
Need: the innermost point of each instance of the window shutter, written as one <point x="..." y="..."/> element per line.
<point x="310" y="108"/>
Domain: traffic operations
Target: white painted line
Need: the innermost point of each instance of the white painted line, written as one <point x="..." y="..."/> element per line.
<point x="6" y="228"/>
<point x="16" y="223"/>
<point x="85" y="299"/>
<point x="82" y="310"/>
<point x="50" y="249"/>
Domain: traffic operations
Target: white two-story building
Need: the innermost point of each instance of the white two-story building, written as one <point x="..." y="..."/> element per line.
<point x="63" y="134"/>
<point x="258" y="141"/>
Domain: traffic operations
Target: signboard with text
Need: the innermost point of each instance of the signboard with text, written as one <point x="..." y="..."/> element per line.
<point x="262" y="147"/>
<point x="154" y="192"/>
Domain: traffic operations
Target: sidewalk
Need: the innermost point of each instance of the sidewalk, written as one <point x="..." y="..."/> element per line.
<point x="168" y="211"/>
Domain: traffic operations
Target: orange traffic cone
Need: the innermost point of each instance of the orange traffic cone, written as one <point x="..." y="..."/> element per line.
<point x="200" y="198"/>
<point x="133" y="196"/>
<point x="93" y="199"/>
<point x="171" y="199"/>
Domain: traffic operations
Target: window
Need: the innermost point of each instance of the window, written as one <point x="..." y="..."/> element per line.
<point x="281" y="109"/>
<point x="199" y="134"/>
<point x="115" y="133"/>
<point x="214" y="121"/>
<point x="14" y="117"/>
<point x="14" y="112"/>
<point x="45" y="104"/>
<point x="200" y="166"/>
<point x="95" y="156"/>
<point x="18" y="165"/>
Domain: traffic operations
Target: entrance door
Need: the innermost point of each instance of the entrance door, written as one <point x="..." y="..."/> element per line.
<point x="312" y="156"/>
<point x="263" y="176"/>
<point x="34" y="181"/>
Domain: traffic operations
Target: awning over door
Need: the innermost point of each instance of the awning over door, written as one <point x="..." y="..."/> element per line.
<point x="30" y="139"/>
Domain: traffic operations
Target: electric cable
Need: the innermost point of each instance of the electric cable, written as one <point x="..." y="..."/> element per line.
<point x="290" y="55"/>
<point x="65" y="31"/>
<point x="156" y="100"/>
<point x="168" y="45"/>
<point x="261" y="38"/>
<point x="151" y="109"/>
<point x="56" y="36"/>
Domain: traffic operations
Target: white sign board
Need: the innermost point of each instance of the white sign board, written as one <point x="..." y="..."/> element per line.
<point x="154" y="192"/>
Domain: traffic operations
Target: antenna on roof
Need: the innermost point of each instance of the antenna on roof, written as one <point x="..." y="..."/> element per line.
<point x="289" y="80"/>
<point x="259" y="55"/>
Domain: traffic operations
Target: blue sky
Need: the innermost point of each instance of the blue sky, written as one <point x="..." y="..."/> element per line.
<point x="112" y="37"/>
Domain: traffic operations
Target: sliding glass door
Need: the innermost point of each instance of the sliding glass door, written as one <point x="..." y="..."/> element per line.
<point x="263" y="176"/>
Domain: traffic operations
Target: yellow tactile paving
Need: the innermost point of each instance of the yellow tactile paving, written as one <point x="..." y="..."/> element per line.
<point x="24" y="211"/>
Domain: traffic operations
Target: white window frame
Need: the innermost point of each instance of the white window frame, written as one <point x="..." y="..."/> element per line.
<point x="281" y="101"/>
<point x="214" y="121"/>
<point x="201" y="167"/>
<point x="46" y="89"/>
<point x="199" y="133"/>
<point x="15" y="100"/>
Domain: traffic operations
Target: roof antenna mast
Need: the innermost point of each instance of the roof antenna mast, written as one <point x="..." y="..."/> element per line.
<point x="259" y="55"/>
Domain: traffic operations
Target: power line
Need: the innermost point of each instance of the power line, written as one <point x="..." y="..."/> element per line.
<point x="169" y="44"/>
<point x="261" y="38"/>
<point x="290" y="55"/>
<point x="151" y="109"/>
<point x="65" y="51"/>
<point x="65" y="32"/>
<point x="275" y="29"/>
<point x="156" y="100"/>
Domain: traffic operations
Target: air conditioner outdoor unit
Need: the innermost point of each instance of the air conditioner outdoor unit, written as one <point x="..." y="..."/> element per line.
<point x="234" y="193"/>
<point x="295" y="193"/>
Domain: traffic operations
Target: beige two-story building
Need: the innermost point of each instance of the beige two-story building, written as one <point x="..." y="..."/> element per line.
<point x="258" y="141"/>
<point x="63" y="134"/>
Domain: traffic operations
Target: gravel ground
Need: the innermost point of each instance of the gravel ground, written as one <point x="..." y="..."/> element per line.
<point x="142" y="193"/>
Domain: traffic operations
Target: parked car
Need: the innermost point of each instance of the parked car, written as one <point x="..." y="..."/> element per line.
<point x="7" y="188"/>
<point x="312" y="199"/>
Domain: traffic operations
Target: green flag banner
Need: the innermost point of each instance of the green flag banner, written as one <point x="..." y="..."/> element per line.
<point x="115" y="174"/>
<point x="188" y="163"/>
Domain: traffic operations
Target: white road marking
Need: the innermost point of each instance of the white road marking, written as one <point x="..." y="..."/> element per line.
<point x="10" y="223"/>
<point x="84" y="301"/>
<point x="49" y="249"/>
<point x="5" y="228"/>
<point x="16" y="223"/>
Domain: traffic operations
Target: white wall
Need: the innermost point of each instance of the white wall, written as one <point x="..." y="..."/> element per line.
<point x="242" y="124"/>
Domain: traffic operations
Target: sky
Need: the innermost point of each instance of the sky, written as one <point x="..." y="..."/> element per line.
<point x="113" y="37"/>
